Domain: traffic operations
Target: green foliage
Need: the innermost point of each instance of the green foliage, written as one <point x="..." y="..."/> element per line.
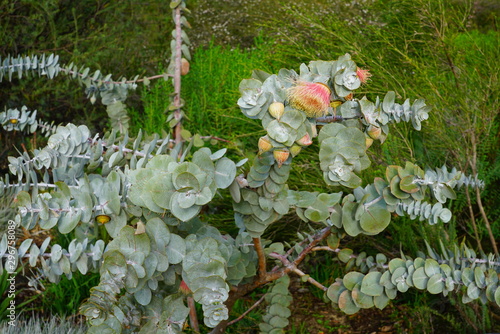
<point x="208" y="91"/>
<point x="478" y="279"/>
<point x="277" y="312"/>
<point x="148" y="261"/>
<point x="146" y="196"/>
<point x="24" y="120"/>
<point x="112" y="93"/>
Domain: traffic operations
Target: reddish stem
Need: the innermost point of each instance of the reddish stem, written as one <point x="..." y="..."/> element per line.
<point x="260" y="254"/>
<point x="193" y="319"/>
<point x="240" y="291"/>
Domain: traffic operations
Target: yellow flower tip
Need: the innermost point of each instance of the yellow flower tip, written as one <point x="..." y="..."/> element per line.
<point x="103" y="219"/>
<point x="264" y="144"/>
<point x="363" y="75"/>
<point x="14" y="121"/>
<point x="281" y="155"/>
<point x="313" y="98"/>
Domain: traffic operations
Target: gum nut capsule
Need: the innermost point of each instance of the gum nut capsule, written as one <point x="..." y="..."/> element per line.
<point x="374" y="132"/>
<point x="280" y="155"/>
<point x="184" y="66"/>
<point x="313" y="98"/>
<point x="264" y="144"/>
<point x="276" y="109"/>
<point x="305" y="141"/>
<point x="368" y="142"/>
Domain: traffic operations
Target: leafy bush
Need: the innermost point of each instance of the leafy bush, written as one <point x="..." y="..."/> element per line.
<point x="136" y="205"/>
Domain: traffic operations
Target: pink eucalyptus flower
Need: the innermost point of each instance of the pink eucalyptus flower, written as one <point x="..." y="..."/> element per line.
<point x="363" y="75"/>
<point x="313" y="98"/>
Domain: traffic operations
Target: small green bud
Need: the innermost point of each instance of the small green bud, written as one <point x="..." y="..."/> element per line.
<point x="295" y="149"/>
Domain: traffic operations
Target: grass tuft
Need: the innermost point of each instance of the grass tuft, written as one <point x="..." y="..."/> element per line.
<point x="33" y="324"/>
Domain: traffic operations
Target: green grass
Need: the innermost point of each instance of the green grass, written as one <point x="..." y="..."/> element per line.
<point x="155" y="102"/>
<point x="210" y="91"/>
<point x="64" y="298"/>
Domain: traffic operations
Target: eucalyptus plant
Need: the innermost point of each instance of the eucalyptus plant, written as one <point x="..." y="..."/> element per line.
<point x="134" y="206"/>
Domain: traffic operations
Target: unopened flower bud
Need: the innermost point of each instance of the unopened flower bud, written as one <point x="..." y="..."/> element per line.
<point x="313" y="98"/>
<point x="374" y="131"/>
<point x="305" y="141"/>
<point x="295" y="149"/>
<point x="280" y="155"/>
<point x="264" y="144"/>
<point x="276" y="109"/>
